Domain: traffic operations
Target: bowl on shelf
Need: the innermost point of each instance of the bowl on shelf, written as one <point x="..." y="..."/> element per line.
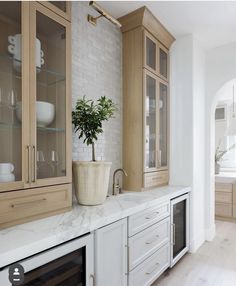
<point x="45" y="113"/>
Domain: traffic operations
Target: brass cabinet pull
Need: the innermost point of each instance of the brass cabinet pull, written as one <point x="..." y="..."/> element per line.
<point x="28" y="166"/>
<point x="34" y="165"/>
<point x="153" y="269"/>
<point x="20" y="205"/>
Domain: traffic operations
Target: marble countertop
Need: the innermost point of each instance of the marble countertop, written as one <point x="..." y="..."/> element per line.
<point x="226" y="177"/>
<point x="19" y="242"/>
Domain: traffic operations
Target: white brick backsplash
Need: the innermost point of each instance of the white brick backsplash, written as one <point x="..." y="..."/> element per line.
<point x="97" y="71"/>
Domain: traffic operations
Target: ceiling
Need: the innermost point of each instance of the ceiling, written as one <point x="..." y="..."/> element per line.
<point x="212" y="22"/>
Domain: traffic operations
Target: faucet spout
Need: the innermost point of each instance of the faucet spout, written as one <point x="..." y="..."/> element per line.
<point x="116" y="186"/>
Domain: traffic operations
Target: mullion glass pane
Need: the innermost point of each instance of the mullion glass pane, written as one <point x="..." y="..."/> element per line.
<point x="51" y="97"/>
<point x="163" y="128"/>
<point x="150" y="53"/>
<point x="10" y="92"/>
<point x="150" y="147"/>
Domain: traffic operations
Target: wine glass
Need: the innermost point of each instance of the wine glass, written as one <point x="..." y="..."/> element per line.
<point x="40" y="161"/>
<point x="12" y="99"/>
<point x="54" y="161"/>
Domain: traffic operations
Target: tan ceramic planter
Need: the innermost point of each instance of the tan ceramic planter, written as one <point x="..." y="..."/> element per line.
<point x="91" y="181"/>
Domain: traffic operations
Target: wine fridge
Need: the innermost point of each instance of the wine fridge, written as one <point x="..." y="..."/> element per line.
<point x="179" y="227"/>
<point x="69" y="264"/>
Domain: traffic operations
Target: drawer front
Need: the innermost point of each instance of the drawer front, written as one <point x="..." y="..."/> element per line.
<point x="234" y="194"/>
<point x="21" y="206"/>
<point x="156" y="179"/>
<point x="148" y="271"/>
<point x="145" y="243"/>
<point x="220" y="187"/>
<point x="234" y="211"/>
<point x="224" y="210"/>
<point x="142" y="220"/>
<point x="223" y="197"/>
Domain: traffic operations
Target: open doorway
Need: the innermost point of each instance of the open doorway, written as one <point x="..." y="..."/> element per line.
<point x="225" y="152"/>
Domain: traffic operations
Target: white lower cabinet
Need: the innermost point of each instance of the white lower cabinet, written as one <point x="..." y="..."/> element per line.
<point x="111" y="254"/>
<point x="148" y="271"/>
<point x="148" y="248"/>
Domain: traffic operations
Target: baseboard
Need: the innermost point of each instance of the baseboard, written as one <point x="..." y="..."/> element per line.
<point x="210" y="232"/>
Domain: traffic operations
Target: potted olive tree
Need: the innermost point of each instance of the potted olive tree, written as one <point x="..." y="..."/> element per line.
<point x="91" y="178"/>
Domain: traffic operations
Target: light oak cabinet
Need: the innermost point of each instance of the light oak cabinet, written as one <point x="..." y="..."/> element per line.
<point x="35" y="110"/>
<point x="146" y="100"/>
<point x="224" y="202"/>
<point x="111" y="254"/>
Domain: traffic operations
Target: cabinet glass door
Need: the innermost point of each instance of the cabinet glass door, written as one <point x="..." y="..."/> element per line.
<point x="51" y="101"/>
<point x="150" y="52"/>
<point x="11" y="100"/>
<point x="163" y="62"/>
<point x="150" y="121"/>
<point x="163" y="125"/>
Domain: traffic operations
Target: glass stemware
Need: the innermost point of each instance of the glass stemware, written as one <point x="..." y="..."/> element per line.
<point x="54" y="162"/>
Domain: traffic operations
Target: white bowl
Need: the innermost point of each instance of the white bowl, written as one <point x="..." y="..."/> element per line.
<point x="45" y="113"/>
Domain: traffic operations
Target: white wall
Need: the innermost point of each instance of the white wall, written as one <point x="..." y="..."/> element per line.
<point x="220" y="68"/>
<point x="97" y="71"/>
<point x="187" y="109"/>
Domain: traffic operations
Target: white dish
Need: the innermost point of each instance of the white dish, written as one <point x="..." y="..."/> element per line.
<point x="4" y="178"/>
<point x="45" y="113"/>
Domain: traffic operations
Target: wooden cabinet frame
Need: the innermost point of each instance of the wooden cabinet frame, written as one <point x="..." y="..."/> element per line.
<point x="55" y="9"/>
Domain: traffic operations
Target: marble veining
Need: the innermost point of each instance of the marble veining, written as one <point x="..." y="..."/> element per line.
<point x="19" y="242"/>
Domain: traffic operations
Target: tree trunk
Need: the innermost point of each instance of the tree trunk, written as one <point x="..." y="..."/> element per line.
<point x="93" y="153"/>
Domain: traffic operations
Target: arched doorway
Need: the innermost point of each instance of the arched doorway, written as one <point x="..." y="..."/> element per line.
<point x="210" y="159"/>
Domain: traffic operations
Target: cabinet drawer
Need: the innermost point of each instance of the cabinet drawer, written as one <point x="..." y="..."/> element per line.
<point x="224" y="210"/>
<point x="148" y="271"/>
<point x="144" y="219"/>
<point x="156" y="179"/>
<point x="145" y="243"/>
<point x="223" y="197"/>
<point x="220" y="187"/>
<point x="234" y="211"/>
<point x="21" y="206"/>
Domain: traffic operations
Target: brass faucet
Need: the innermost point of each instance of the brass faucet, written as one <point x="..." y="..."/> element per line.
<point x="116" y="185"/>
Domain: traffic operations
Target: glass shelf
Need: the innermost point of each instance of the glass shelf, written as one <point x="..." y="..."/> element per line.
<point x="39" y="128"/>
<point x="45" y="77"/>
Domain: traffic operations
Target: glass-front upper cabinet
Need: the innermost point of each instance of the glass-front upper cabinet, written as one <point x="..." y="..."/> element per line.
<point x="150" y="52"/>
<point x="12" y="101"/>
<point x="163" y="125"/>
<point x="151" y="116"/>
<point x="50" y="97"/>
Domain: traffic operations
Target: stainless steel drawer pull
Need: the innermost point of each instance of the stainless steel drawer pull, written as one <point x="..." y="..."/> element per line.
<point x="93" y="277"/>
<point x="153" y="240"/>
<point x="152" y="215"/>
<point x="153" y="269"/>
<point x="20" y="205"/>
<point x="173" y="234"/>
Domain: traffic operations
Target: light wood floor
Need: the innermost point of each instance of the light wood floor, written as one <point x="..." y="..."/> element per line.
<point x="214" y="264"/>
